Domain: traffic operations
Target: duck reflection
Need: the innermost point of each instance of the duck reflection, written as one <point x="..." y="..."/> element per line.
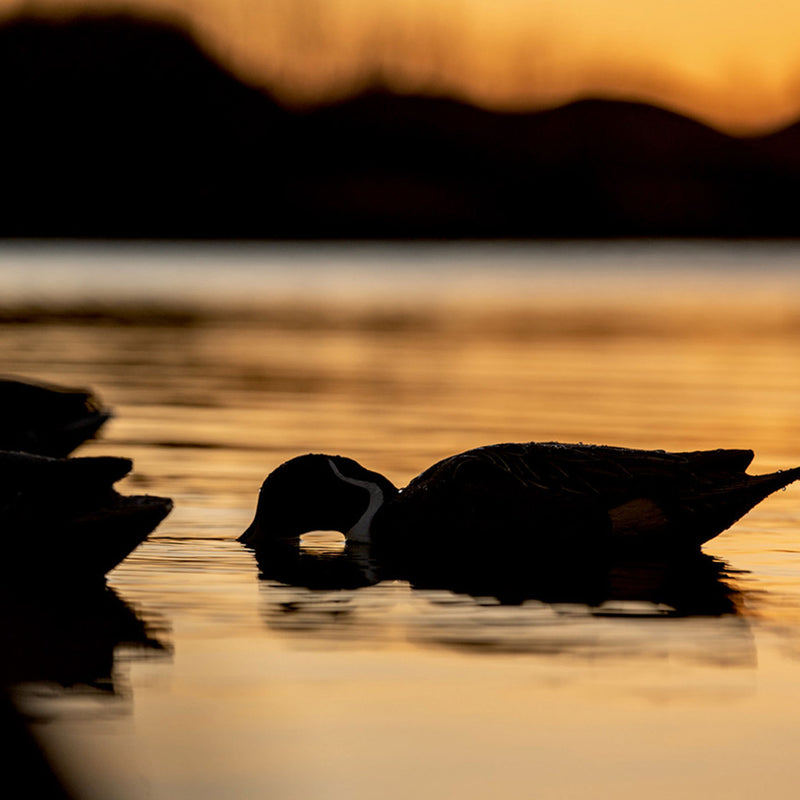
<point x="497" y="599"/>
<point x="679" y="585"/>
<point x="69" y="637"/>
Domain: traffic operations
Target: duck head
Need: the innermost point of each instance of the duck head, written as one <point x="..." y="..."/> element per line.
<point x="317" y="492"/>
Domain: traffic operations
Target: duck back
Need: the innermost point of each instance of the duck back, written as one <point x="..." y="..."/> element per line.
<point x="552" y="495"/>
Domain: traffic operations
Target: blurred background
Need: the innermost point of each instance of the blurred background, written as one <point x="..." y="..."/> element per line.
<point x="343" y="119"/>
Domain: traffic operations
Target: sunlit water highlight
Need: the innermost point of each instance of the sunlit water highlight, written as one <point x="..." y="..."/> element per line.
<point x="223" y="361"/>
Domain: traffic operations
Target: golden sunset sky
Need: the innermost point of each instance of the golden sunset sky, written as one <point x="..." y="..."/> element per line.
<point x="733" y="64"/>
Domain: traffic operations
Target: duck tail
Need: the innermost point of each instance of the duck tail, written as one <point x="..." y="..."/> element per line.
<point x="718" y="509"/>
<point x="772" y="481"/>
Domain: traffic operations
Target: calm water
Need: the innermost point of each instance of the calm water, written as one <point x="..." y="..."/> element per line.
<point x="222" y="362"/>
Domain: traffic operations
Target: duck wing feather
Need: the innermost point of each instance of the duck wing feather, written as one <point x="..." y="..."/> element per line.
<point x="612" y="475"/>
<point x="648" y="496"/>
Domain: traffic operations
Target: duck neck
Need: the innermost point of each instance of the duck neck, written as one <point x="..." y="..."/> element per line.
<point x="361" y="531"/>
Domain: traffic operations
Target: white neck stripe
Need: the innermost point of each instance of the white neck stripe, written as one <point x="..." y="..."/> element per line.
<point x="360" y="531"/>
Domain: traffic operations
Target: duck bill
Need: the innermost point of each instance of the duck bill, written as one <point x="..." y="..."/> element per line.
<point x="251" y="535"/>
<point x="256" y="536"/>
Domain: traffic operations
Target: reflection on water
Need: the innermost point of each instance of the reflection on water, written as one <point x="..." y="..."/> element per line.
<point x="685" y="585"/>
<point x="65" y="649"/>
<point x="660" y="679"/>
<point x="549" y="608"/>
<point x="338" y="596"/>
<point x="69" y="638"/>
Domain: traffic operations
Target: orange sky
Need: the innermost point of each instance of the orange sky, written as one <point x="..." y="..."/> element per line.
<point x="735" y="64"/>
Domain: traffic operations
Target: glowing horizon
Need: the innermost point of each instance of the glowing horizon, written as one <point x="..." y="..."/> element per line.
<point x="740" y="72"/>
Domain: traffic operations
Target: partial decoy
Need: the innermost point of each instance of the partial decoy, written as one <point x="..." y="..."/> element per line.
<point x="517" y="498"/>
<point x="46" y="419"/>
<point x="62" y="518"/>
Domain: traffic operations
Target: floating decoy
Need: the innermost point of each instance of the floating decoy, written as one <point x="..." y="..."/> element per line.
<point x="512" y="498"/>
<point x="62" y="518"/>
<point x="46" y="419"/>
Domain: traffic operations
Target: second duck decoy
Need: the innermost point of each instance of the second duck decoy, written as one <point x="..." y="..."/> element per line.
<point x="534" y="497"/>
<point x="63" y="519"/>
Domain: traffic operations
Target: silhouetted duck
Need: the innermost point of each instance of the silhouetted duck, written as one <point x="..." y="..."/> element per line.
<point x="63" y="518"/>
<point x="46" y="419"/>
<point x="517" y="497"/>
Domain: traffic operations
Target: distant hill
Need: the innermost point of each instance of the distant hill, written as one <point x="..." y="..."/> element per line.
<point x="116" y="127"/>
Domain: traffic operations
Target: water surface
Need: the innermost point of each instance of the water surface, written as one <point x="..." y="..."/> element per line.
<point x="221" y="362"/>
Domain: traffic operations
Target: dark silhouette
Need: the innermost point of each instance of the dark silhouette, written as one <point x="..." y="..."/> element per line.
<point x="687" y="584"/>
<point x="62" y="518"/>
<point x="356" y="567"/>
<point x="63" y="521"/>
<point x="115" y="127"/>
<point x="617" y="531"/>
<point x="65" y="635"/>
<point x="21" y="758"/>
<point x="537" y="501"/>
<point x="64" y="528"/>
<point x="318" y="595"/>
<point x="48" y="420"/>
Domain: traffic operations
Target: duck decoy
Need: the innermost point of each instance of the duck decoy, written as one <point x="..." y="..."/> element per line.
<point x="517" y="498"/>
<point x="63" y="519"/>
<point x="49" y="420"/>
